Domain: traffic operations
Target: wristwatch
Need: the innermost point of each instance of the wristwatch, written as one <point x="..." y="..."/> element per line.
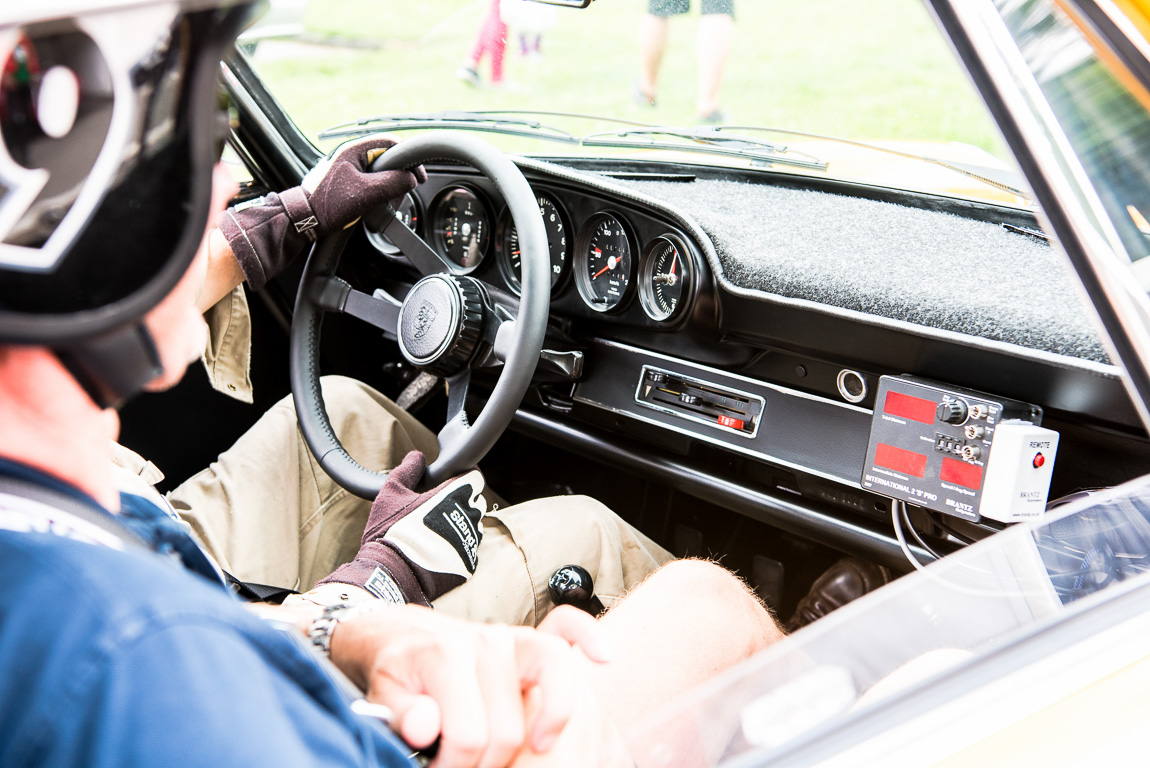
<point x="320" y="630"/>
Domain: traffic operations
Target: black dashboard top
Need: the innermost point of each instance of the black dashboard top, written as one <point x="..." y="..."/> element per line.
<point x="979" y="305"/>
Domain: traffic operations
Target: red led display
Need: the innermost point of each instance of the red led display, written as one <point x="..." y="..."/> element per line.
<point x="907" y="462"/>
<point x="913" y="408"/>
<point x="960" y="473"/>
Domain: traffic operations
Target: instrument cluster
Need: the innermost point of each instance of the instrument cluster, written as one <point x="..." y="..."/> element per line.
<point x="604" y="257"/>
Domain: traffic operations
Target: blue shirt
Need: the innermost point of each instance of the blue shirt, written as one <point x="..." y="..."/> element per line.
<point x="121" y="657"/>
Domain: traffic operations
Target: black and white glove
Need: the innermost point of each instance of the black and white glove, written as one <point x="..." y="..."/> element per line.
<point x="418" y="546"/>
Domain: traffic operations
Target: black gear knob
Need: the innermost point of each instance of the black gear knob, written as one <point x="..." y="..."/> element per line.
<point x="572" y="585"/>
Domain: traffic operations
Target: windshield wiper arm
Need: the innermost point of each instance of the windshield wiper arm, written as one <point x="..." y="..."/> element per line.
<point x="638" y="135"/>
<point x="707" y="140"/>
<point x="490" y="122"/>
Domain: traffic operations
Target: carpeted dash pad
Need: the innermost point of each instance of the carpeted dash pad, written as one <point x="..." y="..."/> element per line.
<point x="918" y="266"/>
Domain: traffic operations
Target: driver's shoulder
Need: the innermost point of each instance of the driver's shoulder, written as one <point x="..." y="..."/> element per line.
<point x="63" y="591"/>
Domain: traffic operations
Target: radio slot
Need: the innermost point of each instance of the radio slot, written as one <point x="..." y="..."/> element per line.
<point x="704" y="402"/>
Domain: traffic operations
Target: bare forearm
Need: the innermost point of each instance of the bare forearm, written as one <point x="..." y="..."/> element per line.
<point x="223" y="272"/>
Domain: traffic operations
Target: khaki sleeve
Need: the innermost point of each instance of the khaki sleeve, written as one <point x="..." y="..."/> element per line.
<point x="228" y="355"/>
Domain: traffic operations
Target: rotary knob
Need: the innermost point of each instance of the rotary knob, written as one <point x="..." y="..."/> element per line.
<point x="952" y="412"/>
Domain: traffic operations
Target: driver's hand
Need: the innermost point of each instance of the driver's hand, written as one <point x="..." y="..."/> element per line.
<point x="489" y="692"/>
<point x="418" y="546"/>
<point x="267" y="233"/>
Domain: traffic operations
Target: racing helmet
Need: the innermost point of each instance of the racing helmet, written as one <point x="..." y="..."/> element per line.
<point x="109" y="128"/>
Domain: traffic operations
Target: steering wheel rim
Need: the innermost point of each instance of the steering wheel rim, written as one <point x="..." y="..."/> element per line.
<point x="518" y="344"/>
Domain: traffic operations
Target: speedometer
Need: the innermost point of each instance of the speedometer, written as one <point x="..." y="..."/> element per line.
<point x="603" y="263"/>
<point x="461" y="227"/>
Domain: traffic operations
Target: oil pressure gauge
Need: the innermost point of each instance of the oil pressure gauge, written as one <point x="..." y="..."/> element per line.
<point x="666" y="278"/>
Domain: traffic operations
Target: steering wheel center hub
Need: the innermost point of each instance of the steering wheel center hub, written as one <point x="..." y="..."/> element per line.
<point x="440" y="323"/>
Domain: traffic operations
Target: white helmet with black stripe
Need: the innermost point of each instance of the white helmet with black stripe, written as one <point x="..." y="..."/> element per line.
<point x="109" y="128"/>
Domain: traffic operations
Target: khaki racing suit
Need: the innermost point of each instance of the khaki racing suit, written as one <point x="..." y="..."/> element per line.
<point x="268" y="513"/>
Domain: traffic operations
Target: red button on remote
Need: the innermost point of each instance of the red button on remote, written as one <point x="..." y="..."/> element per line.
<point x="1039" y="460"/>
<point x="731" y="421"/>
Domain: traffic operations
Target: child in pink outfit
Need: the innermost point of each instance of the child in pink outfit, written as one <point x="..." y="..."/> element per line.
<point x="492" y="40"/>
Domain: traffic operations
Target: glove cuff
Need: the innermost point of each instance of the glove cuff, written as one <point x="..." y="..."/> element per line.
<point x="264" y="234"/>
<point x="383" y="572"/>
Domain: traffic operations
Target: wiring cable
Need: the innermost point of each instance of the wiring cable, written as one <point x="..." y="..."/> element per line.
<point x="938" y="520"/>
<point x="914" y="533"/>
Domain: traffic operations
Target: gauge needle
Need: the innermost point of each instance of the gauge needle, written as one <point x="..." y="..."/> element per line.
<point x="673" y="263"/>
<point x="611" y="262"/>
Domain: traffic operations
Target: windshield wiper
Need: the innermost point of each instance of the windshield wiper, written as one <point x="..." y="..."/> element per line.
<point x="490" y="122"/>
<point x="708" y="140"/>
<point x="725" y="140"/>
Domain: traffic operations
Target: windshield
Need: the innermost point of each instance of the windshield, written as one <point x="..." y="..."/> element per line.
<point x="877" y="72"/>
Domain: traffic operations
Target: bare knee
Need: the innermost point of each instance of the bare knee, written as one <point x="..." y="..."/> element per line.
<point x="712" y="594"/>
<point x="704" y="577"/>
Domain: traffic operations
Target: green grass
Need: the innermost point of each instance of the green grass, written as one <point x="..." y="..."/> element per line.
<point x="864" y="69"/>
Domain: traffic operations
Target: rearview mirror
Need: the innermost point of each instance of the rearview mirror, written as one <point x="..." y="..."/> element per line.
<point x="566" y="3"/>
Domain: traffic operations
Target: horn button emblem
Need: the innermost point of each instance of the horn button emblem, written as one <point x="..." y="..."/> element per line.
<point x="440" y="323"/>
<point x="424" y="319"/>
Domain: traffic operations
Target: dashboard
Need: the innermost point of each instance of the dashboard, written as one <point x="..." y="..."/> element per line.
<point x="608" y="259"/>
<point x="758" y="395"/>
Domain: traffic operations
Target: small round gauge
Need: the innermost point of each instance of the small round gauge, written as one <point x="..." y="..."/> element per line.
<point x="603" y="263"/>
<point x="507" y="241"/>
<point x="408" y="211"/>
<point x="460" y="227"/>
<point x="666" y="275"/>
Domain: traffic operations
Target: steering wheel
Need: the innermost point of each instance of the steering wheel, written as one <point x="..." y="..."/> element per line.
<point x="446" y="325"/>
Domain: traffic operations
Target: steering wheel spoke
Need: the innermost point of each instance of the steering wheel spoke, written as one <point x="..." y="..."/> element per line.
<point x="379" y="309"/>
<point x="499" y="334"/>
<point x="421" y="255"/>
<point x="457" y="426"/>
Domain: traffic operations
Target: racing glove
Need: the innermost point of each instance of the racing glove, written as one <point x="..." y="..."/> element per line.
<point x="418" y="546"/>
<point x="267" y="233"/>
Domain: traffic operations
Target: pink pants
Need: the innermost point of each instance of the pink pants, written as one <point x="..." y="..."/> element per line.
<point x="492" y="40"/>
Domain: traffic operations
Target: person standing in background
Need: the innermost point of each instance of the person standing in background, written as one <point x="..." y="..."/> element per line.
<point x="529" y="20"/>
<point x="492" y="41"/>
<point x="716" y="30"/>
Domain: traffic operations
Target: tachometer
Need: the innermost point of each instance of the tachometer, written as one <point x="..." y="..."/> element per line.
<point x="603" y="263"/>
<point x="460" y="227"/>
<point x="666" y="274"/>
<point x="507" y="241"/>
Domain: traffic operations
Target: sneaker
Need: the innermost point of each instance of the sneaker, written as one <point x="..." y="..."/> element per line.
<point x="641" y="97"/>
<point x="713" y="118"/>
<point x="468" y="75"/>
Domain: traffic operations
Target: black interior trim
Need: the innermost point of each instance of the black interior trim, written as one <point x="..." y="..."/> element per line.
<point x="791" y="515"/>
